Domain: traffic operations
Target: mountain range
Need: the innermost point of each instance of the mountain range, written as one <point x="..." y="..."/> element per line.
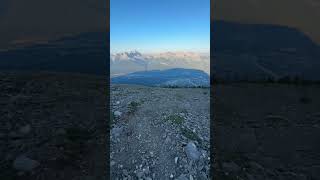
<point x="238" y="52"/>
<point x="128" y="62"/>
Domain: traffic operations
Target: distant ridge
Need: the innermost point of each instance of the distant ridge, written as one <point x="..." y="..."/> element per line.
<point x="82" y="53"/>
<point x="133" y="61"/>
<point x="257" y="52"/>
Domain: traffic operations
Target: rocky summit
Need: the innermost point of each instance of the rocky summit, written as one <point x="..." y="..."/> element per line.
<point x="159" y="133"/>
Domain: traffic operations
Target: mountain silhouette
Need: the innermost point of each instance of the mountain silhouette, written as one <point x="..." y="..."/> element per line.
<point x="260" y="51"/>
<point x="83" y="53"/>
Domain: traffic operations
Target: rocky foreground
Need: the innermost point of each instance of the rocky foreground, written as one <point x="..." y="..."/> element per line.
<point x="159" y="133"/>
<point x="49" y="123"/>
<point x="266" y="131"/>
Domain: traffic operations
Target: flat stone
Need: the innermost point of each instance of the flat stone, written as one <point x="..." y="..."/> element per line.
<point x="192" y="151"/>
<point x="117" y="113"/>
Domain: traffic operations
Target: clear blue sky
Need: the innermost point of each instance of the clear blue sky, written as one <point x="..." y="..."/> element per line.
<point x="160" y="25"/>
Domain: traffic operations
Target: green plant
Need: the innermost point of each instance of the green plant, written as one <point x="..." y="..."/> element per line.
<point x="176" y="119"/>
<point x="133" y="106"/>
<point x="190" y="134"/>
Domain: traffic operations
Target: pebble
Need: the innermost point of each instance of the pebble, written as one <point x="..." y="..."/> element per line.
<point x="182" y="177"/>
<point x="139" y="174"/>
<point x="125" y="172"/>
<point x="25" y="129"/>
<point x="151" y="154"/>
<point x="117" y="113"/>
<point x="112" y="163"/>
<point x="190" y="177"/>
<point x="176" y="160"/>
<point x="23" y="163"/>
<point x="146" y="170"/>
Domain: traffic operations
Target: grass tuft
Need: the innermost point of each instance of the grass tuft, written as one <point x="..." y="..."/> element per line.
<point x="190" y="135"/>
<point x="176" y="119"/>
<point x="133" y="106"/>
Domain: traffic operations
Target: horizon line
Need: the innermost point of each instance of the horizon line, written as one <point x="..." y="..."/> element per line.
<point x="158" y="52"/>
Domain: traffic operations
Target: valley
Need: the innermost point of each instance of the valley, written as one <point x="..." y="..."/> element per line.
<point x="176" y="77"/>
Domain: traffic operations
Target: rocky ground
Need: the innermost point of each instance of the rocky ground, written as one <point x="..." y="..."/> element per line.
<point x="49" y="124"/>
<point x="266" y="131"/>
<point x="159" y="133"/>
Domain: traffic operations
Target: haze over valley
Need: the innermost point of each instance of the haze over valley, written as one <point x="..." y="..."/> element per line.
<point x="133" y="61"/>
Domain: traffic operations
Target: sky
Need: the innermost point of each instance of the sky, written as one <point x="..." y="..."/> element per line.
<point x="159" y="25"/>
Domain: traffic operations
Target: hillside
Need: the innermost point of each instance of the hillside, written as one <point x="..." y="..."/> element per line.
<point x="159" y="133"/>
